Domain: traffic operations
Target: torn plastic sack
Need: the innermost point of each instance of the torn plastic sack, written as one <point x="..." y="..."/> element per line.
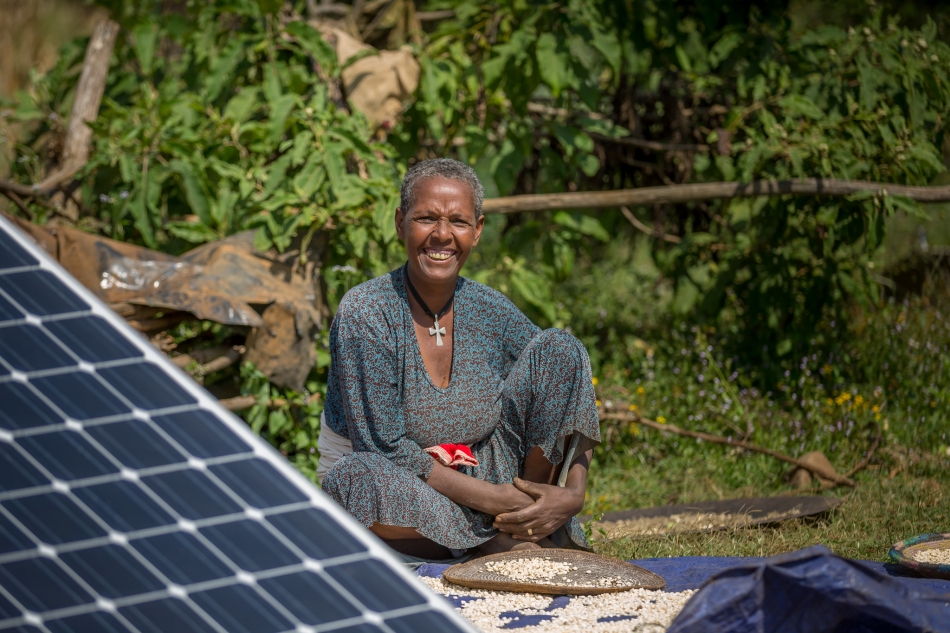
<point x="811" y="591"/>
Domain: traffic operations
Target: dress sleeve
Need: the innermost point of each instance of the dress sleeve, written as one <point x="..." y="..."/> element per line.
<point x="367" y="376"/>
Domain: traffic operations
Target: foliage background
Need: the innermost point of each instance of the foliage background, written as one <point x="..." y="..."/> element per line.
<point x="226" y="115"/>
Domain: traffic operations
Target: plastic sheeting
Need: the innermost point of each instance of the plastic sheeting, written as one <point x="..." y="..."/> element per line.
<point x="711" y="612"/>
<point x="812" y="590"/>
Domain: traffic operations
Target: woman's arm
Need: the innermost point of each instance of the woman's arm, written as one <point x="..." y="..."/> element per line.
<point x="493" y="499"/>
<point x="554" y="506"/>
<point x="365" y="379"/>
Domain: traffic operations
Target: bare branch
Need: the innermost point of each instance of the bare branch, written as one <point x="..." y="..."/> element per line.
<point x="643" y="227"/>
<point x="89" y="91"/>
<point x="715" y="439"/>
<point x="15" y="199"/>
<point x="677" y="194"/>
<point x="315" y="10"/>
<point x="432" y="16"/>
<point x="239" y="403"/>
<point x="651" y="145"/>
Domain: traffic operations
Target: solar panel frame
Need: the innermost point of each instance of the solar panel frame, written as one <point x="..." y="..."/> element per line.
<point x="77" y="599"/>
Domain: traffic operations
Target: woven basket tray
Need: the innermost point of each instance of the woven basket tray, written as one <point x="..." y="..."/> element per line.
<point x="903" y="554"/>
<point x="475" y="575"/>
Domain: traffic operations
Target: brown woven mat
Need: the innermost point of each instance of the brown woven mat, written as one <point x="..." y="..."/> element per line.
<point x="590" y="574"/>
<point x="709" y="516"/>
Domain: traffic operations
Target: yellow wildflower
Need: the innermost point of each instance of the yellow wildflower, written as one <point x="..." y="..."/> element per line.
<point x="661" y="420"/>
<point x="598" y="403"/>
<point x="876" y="409"/>
<point x="830" y="402"/>
<point x="641" y="391"/>
<point x="594" y="381"/>
<point x="858" y="400"/>
<point x="634" y="429"/>
<point x="633" y="407"/>
<point x="877" y="416"/>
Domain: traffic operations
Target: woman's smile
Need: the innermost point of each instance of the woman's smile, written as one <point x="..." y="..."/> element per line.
<point x="439" y="254"/>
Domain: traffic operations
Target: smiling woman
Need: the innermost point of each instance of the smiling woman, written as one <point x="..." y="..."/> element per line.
<point x="448" y="412"/>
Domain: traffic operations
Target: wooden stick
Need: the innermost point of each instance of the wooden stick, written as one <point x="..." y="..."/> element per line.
<point x="656" y="146"/>
<point x="867" y="458"/>
<point x="89" y="91"/>
<point x="640" y="226"/>
<point x="676" y="194"/>
<point x="20" y="204"/>
<point x="715" y="439"/>
<point x="240" y="403"/>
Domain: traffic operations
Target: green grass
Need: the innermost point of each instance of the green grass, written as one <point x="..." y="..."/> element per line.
<point x="877" y="513"/>
<point x="891" y="376"/>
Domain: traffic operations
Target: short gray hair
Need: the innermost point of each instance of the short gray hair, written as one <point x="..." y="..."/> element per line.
<point x="442" y="168"/>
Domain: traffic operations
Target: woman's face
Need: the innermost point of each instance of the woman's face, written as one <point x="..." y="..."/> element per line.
<point x="440" y="230"/>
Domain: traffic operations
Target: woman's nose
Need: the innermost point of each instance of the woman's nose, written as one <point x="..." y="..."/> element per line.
<point x="442" y="229"/>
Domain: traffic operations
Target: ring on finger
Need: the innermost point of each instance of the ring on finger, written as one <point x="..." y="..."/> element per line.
<point x="530" y="532"/>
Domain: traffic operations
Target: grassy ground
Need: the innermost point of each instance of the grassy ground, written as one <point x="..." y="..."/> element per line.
<point x="877" y="513"/>
<point x="891" y="377"/>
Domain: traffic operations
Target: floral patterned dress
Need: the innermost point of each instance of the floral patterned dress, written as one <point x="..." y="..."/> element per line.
<point x="512" y="387"/>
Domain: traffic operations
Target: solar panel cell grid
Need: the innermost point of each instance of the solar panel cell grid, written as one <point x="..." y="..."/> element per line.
<point x="40" y="293"/>
<point x="129" y="501"/>
<point x="12" y="255"/>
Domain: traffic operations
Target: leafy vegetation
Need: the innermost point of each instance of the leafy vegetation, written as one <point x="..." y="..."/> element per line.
<point x="225" y="115"/>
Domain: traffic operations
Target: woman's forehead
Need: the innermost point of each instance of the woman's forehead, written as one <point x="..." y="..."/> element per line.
<point x="442" y="194"/>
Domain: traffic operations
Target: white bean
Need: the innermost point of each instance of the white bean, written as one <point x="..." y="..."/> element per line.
<point x="654" y="608"/>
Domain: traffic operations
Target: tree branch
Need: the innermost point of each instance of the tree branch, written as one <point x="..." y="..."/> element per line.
<point x="18" y="201"/>
<point x="432" y="16"/>
<point x="89" y="91"/>
<point x="656" y="146"/>
<point x="239" y="403"/>
<point x="677" y="194"/>
<point x="715" y="439"/>
<point x="673" y="239"/>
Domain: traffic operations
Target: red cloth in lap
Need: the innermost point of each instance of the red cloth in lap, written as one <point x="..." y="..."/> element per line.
<point x="453" y="455"/>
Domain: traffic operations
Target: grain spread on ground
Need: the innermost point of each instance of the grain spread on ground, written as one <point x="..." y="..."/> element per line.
<point x="544" y="571"/>
<point x="687" y="522"/>
<point x="633" y="610"/>
<point x="933" y="556"/>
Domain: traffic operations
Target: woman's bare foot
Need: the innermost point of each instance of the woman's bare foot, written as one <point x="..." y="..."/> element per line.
<point x="503" y="542"/>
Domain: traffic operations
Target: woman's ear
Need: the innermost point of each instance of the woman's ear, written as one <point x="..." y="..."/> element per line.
<point x="479" y="225"/>
<point x="399" y="219"/>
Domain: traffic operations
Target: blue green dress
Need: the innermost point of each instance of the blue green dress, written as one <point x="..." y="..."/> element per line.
<point x="512" y="387"/>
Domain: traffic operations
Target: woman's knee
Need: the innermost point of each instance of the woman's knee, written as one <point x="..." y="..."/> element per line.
<point x="554" y="343"/>
<point x="362" y="467"/>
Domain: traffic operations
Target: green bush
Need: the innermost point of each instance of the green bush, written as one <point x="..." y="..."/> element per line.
<point x="224" y="115"/>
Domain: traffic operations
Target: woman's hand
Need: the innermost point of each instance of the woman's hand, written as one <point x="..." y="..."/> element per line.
<point x="509" y="499"/>
<point x="552" y="508"/>
<point x="493" y="499"/>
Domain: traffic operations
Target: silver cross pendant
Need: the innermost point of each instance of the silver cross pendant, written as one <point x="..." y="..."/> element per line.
<point x="437" y="332"/>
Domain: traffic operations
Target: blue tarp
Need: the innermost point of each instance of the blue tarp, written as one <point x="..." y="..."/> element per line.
<point x="767" y="594"/>
<point x="814" y="590"/>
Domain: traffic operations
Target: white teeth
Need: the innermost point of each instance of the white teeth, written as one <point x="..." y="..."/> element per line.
<point x="438" y="256"/>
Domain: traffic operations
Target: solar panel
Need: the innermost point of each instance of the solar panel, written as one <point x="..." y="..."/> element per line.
<point x="130" y="500"/>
